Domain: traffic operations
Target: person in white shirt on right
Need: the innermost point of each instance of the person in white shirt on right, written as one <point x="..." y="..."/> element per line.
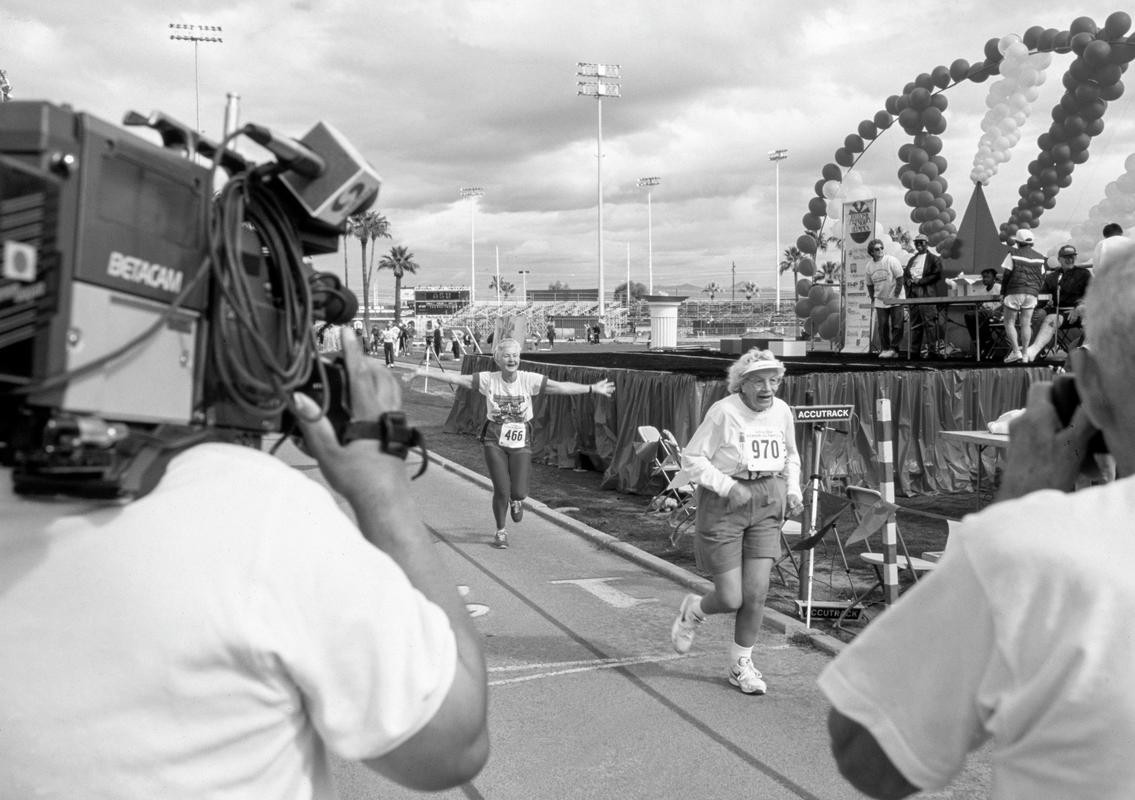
<point x="1021" y="636"/>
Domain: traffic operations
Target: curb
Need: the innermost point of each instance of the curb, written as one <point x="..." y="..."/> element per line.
<point x="793" y="629"/>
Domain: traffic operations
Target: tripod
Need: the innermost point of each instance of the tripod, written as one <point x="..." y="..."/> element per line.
<point x="427" y="356"/>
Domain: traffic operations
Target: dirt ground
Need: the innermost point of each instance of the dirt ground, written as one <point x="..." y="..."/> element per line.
<point x="629" y="517"/>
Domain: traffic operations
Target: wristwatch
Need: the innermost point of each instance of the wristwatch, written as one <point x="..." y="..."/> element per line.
<point x="394" y="436"/>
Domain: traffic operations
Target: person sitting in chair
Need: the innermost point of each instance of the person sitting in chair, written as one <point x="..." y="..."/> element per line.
<point x="977" y="321"/>
<point x="1064" y="310"/>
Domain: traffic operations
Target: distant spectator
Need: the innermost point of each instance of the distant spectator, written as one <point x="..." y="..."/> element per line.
<point x="1022" y="272"/>
<point x="1066" y="287"/>
<point x="551" y="333"/>
<point x="455" y="345"/>
<point x="1112" y="236"/>
<point x="977" y="321"/>
<point x="437" y="338"/>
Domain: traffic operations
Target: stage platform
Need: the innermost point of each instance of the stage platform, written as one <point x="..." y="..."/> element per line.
<point x="671" y="389"/>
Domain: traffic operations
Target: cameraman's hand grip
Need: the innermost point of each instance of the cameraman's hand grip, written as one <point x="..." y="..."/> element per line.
<point x="1065" y="399"/>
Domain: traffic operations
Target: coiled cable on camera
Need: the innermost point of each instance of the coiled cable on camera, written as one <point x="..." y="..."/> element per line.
<point x="260" y="355"/>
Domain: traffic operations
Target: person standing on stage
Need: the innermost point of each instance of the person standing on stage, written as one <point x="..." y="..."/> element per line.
<point x="923" y="277"/>
<point x="507" y="432"/>
<point x="884" y="280"/>
<point x="744" y="460"/>
<point x="1022" y="272"/>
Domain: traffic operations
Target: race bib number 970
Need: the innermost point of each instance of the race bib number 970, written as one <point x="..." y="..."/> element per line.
<point x="513" y="434"/>
<point x="763" y="451"/>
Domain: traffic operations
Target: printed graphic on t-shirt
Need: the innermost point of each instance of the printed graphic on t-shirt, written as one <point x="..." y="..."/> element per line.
<point x="509" y="408"/>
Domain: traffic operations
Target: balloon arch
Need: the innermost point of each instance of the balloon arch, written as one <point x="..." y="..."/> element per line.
<point x="1091" y="81"/>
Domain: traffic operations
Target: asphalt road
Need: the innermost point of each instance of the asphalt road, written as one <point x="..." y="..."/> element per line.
<point x="587" y="698"/>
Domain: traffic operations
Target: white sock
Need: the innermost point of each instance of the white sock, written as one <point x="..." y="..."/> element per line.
<point x="737" y="652"/>
<point x="696" y="611"/>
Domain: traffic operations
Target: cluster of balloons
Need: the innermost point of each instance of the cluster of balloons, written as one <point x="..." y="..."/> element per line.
<point x="1091" y="82"/>
<point x="1118" y="205"/>
<point x="1009" y="102"/>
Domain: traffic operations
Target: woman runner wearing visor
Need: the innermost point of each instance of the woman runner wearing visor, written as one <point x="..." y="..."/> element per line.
<point x="743" y="458"/>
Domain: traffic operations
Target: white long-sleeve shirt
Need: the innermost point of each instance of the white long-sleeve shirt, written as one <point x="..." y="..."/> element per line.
<point x="721" y="447"/>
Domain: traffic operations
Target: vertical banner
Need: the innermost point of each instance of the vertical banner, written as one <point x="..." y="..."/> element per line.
<point x="858" y="230"/>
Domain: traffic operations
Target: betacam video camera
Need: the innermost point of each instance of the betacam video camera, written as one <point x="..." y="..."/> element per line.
<point x="141" y="310"/>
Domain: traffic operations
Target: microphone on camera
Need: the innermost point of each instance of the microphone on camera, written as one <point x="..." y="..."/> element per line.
<point x="290" y="153"/>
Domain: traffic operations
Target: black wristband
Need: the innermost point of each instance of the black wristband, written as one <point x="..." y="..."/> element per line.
<point x="394" y="436"/>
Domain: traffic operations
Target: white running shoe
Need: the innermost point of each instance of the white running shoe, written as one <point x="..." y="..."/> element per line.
<point x="1014" y="356"/>
<point x="684" y="627"/>
<point x="746" y="677"/>
<point x="500" y="540"/>
<point x="516" y="509"/>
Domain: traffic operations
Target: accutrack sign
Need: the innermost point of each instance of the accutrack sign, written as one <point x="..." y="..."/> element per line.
<point x="822" y="413"/>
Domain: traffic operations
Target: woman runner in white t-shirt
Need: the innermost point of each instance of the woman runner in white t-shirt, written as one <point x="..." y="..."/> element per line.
<point x="507" y="433"/>
<point x="743" y="458"/>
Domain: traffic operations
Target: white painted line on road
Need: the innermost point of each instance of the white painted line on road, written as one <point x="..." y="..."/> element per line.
<point x="556" y="669"/>
<point x="608" y="594"/>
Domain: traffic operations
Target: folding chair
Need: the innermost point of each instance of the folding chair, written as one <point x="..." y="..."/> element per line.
<point x="830" y="509"/>
<point x="665" y="461"/>
<point x="998" y="344"/>
<point x="871" y="513"/>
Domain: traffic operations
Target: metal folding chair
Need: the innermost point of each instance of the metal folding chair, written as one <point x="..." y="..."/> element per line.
<point x="872" y="512"/>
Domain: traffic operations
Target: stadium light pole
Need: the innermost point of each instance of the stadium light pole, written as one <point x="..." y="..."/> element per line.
<point x="776" y="156"/>
<point x="196" y="34"/>
<point x="648" y="183"/>
<point x="598" y="81"/>
<point x="472" y="193"/>
<point x="524" y="273"/>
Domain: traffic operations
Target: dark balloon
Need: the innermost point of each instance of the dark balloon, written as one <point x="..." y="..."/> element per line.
<point x="959" y="70"/>
<point x="832" y="172"/>
<point x="1116" y="25"/>
<point x="853" y="143"/>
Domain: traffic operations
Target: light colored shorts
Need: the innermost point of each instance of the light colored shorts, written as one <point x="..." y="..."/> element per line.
<point x="1019" y="302"/>
<point x="724" y="537"/>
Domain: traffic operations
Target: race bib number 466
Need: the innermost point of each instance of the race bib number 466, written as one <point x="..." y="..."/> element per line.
<point x="513" y="434"/>
<point x="763" y="451"/>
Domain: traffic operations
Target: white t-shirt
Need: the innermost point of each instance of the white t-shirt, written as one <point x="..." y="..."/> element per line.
<point x="1022" y="635"/>
<point x="719" y="448"/>
<point x="509" y="402"/>
<point x="885" y="276"/>
<point x="207" y="640"/>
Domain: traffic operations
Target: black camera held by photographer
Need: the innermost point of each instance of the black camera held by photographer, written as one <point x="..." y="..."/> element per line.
<point x="143" y="311"/>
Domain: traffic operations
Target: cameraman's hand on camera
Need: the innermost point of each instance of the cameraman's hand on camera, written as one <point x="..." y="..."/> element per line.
<point x="351" y="468"/>
<point x="1042" y="454"/>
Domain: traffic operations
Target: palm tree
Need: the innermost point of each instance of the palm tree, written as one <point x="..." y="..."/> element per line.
<point x="637" y="291"/>
<point x="367" y="227"/>
<point x="399" y="261"/>
<point x="712" y="288"/>
<point x="900" y="235"/>
<point x="750" y="289"/>
<point x="377" y="226"/>
<point x="507" y="288"/>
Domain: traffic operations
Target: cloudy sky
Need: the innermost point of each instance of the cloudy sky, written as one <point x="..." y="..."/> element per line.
<point x="444" y="94"/>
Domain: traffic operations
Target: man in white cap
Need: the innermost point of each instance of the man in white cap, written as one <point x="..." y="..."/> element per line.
<point x="1022" y="272"/>
<point x="743" y="458"/>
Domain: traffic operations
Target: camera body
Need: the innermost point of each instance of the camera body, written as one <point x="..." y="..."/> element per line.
<point x="106" y="240"/>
